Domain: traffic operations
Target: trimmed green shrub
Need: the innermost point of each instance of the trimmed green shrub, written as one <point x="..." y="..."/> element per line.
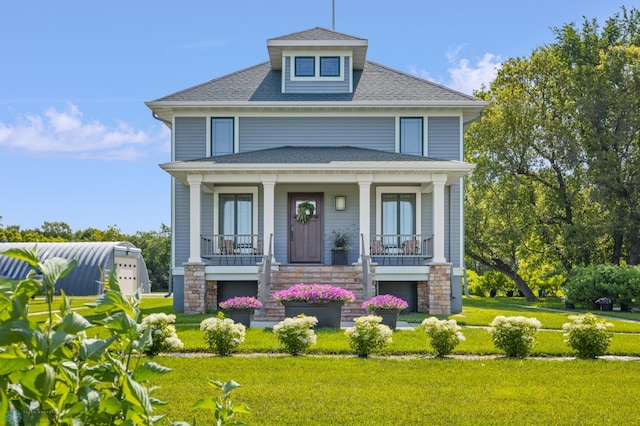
<point x="368" y="335"/>
<point x="444" y="335"/>
<point x="588" y="335"/>
<point x="514" y="335"/>
<point x="222" y="334"/>
<point x="296" y="334"/>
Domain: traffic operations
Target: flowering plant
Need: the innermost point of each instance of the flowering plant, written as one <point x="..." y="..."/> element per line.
<point x="314" y="293"/>
<point x="241" y="302"/>
<point x="444" y="335"/>
<point x="603" y="301"/>
<point x="384" y="301"/>
<point x="588" y="335"/>
<point x="163" y="333"/>
<point x="368" y="335"/>
<point x="222" y="334"/>
<point x="514" y="335"/>
<point x="296" y="334"/>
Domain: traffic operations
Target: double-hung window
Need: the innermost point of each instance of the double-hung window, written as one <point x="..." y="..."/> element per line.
<point x="305" y="66"/>
<point x="398" y="218"/>
<point x="329" y="66"/>
<point x="221" y="136"/>
<point x="236" y="220"/>
<point x="411" y="135"/>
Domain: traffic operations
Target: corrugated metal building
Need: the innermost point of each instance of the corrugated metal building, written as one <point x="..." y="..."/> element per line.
<point x="92" y="257"/>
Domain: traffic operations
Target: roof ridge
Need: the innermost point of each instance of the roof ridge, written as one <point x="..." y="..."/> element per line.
<point x="415" y="77"/>
<point x="317" y="28"/>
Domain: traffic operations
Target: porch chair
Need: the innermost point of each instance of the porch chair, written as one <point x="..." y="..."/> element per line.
<point x="226" y="249"/>
<point x="376" y="249"/>
<point x="410" y="248"/>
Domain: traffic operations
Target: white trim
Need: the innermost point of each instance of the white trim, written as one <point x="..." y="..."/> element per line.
<point x="398" y="190"/>
<point x="173" y="197"/>
<point x="217" y="190"/>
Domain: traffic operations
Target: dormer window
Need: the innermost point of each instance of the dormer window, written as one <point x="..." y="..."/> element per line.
<point x="320" y="68"/>
<point x="329" y="66"/>
<point x="305" y="66"/>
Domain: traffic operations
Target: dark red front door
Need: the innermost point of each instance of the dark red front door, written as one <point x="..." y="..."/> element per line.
<point x="305" y="228"/>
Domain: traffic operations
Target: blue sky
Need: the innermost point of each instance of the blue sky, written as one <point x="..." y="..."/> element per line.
<point x="77" y="143"/>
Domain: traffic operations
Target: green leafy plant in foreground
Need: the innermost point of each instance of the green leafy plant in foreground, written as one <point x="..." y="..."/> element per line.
<point x="223" y="409"/>
<point x="52" y="374"/>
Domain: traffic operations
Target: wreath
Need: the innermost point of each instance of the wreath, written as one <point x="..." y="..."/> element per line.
<point x="305" y="211"/>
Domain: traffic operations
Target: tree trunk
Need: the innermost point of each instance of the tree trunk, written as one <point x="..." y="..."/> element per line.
<point x="617" y="249"/>
<point x="633" y="252"/>
<point x="500" y="266"/>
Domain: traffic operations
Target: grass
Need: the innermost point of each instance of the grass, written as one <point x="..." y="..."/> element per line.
<point x="384" y="391"/>
<point x="405" y="385"/>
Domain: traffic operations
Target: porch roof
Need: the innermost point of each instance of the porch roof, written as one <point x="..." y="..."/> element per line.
<point x="314" y="162"/>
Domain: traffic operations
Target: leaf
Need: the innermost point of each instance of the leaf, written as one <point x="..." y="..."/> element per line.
<point x="12" y="360"/>
<point x="111" y="301"/>
<point x="229" y="386"/>
<point x="38" y="382"/>
<point x="110" y="405"/>
<point x="27" y="255"/>
<point x="54" y="269"/>
<point x="136" y="394"/>
<point x="149" y="370"/>
<point x="119" y="321"/>
<point x="94" y="348"/>
<point x="206" y="403"/>
<point x="73" y="323"/>
<point x="59" y="338"/>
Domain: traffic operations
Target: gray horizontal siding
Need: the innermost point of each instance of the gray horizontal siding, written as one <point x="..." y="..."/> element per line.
<point x="181" y="224"/>
<point x="444" y="138"/>
<point x="268" y="132"/>
<point x="190" y="138"/>
<point x="315" y="86"/>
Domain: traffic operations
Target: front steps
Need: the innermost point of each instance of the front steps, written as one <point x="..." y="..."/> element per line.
<point x="347" y="277"/>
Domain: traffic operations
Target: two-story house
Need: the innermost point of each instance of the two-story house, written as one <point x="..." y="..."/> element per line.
<point x="266" y="162"/>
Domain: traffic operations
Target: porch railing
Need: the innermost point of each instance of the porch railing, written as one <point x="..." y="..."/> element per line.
<point x="398" y="247"/>
<point x="231" y="246"/>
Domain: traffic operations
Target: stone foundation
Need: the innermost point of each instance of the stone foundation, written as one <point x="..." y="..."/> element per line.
<point x="439" y="289"/>
<point x="200" y="295"/>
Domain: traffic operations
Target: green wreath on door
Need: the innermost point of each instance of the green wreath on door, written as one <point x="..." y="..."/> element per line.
<point x="305" y="211"/>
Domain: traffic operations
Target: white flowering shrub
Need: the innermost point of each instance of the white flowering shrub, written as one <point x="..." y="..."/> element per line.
<point x="368" y="335"/>
<point x="296" y="334"/>
<point x="163" y="333"/>
<point x="222" y="335"/>
<point x="444" y="335"/>
<point x="514" y="335"/>
<point x="588" y="335"/>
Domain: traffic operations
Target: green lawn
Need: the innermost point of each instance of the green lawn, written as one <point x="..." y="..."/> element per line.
<point x="405" y="385"/>
<point x="307" y="390"/>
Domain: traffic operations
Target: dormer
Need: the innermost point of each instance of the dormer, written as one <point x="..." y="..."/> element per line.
<point x="317" y="61"/>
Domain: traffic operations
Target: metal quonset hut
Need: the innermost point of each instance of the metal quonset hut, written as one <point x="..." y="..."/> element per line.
<point x="92" y="257"/>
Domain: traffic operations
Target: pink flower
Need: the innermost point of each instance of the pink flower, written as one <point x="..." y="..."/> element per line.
<point x="314" y="293"/>
<point x="384" y="301"/>
<point x="241" y="303"/>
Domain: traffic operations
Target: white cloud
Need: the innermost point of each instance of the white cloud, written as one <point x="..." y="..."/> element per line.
<point x="467" y="77"/>
<point x="65" y="132"/>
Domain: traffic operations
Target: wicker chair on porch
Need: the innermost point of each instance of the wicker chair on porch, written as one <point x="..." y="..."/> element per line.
<point x="376" y="249"/>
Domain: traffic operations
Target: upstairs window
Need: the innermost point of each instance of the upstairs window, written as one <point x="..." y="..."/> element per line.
<point x="411" y="135"/>
<point x="329" y="66"/>
<point x="221" y="136"/>
<point x="305" y="66"/>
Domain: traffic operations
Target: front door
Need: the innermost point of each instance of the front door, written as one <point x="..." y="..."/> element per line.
<point x="305" y="228"/>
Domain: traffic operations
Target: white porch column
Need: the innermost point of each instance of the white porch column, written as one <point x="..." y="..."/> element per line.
<point x="438" y="218"/>
<point x="195" y="184"/>
<point x="268" y="214"/>
<point x="364" y="184"/>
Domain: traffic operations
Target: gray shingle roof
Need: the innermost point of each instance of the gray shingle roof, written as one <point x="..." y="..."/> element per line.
<point x="261" y="84"/>
<point x="317" y="33"/>
<point x="312" y="155"/>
